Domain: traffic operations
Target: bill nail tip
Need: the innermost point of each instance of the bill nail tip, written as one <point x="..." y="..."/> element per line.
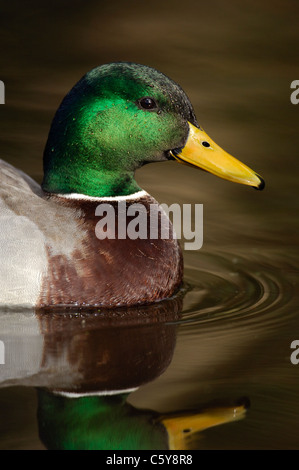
<point x="262" y="184"/>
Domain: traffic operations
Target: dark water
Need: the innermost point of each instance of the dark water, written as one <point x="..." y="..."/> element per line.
<point x="228" y="338"/>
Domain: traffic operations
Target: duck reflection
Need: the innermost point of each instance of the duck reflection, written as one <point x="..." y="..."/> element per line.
<point x="110" y="423"/>
<point x="109" y="352"/>
<point x="88" y="352"/>
<point x="84" y="365"/>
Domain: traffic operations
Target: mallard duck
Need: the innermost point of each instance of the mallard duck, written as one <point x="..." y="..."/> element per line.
<point x="117" y="118"/>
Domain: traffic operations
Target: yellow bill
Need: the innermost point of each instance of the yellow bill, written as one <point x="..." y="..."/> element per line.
<point x="202" y="152"/>
<point x="180" y="427"/>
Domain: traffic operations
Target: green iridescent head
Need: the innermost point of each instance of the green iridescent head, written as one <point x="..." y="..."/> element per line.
<point x="117" y="118"/>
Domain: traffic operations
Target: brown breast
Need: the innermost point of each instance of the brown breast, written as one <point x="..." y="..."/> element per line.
<point x="112" y="272"/>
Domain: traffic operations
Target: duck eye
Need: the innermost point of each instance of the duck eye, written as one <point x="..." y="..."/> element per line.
<point x="147" y="103"/>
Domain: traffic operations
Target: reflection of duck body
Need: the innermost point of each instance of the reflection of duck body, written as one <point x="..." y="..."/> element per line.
<point x="110" y="423"/>
<point x="116" y="119"/>
<point x="92" y="352"/>
<point x="84" y="365"/>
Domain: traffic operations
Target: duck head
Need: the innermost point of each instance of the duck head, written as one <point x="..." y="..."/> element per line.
<point x="119" y="117"/>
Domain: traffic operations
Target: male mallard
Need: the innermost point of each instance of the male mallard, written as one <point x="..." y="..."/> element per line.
<point x="117" y="118"/>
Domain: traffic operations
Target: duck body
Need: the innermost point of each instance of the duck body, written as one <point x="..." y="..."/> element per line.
<point x="51" y="255"/>
<point x="117" y="118"/>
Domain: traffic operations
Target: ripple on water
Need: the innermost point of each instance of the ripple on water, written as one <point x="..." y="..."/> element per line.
<point x="225" y="287"/>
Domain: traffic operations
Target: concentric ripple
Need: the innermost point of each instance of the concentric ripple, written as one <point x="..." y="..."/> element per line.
<point x="225" y="287"/>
